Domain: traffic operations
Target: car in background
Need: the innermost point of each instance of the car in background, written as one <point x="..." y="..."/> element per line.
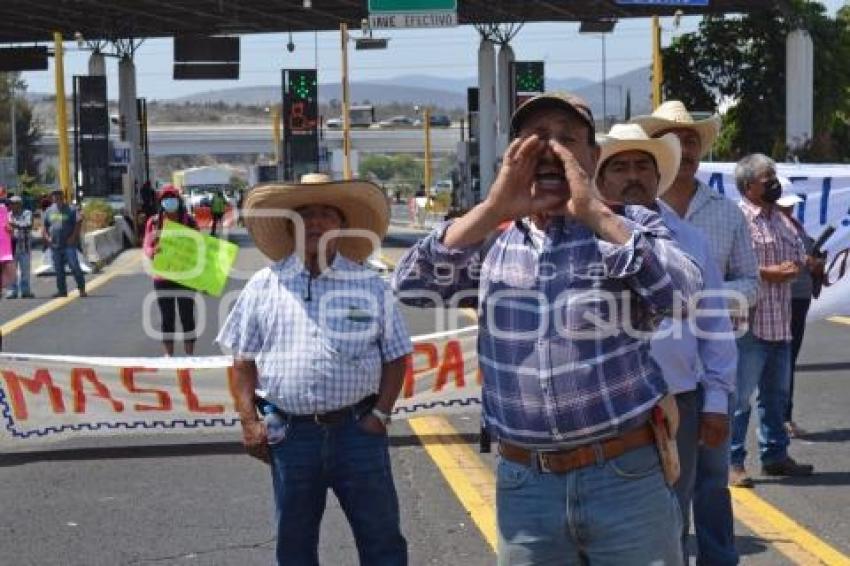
<point x="333" y="123"/>
<point x="396" y="122"/>
<point x="437" y="121"/>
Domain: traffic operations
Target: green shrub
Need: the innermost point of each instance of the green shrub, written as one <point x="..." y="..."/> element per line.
<point x="97" y="214"/>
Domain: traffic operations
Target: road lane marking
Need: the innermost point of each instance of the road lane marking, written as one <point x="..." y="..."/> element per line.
<point x="469" y="476"/>
<point x="839" y="319"/>
<point x="782" y="532"/>
<point x="60" y="302"/>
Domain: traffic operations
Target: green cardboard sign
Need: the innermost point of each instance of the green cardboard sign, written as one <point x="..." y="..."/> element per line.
<point x="192" y="259"/>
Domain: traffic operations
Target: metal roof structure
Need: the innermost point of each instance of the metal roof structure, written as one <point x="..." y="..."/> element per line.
<point x="27" y="21"/>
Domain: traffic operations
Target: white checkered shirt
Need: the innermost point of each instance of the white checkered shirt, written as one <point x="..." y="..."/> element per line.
<point x="319" y="343"/>
<point x="728" y="235"/>
<point x="775" y="240"/>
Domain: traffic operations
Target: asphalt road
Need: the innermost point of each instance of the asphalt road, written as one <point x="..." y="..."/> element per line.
<point x="199" y="500"/>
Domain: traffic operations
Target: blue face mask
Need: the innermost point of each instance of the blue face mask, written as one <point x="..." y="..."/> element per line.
<point x="170" y="204"/>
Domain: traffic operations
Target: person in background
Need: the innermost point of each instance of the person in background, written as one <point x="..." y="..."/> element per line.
<point x="319" y="339"/>
<point x="61" y="231"/>
<point x="20" y="226"/>
<point x="764" y="351"/>
<point x="728" y="237"/>
<point x="7" y="264"/>
<point x="218" y="205"/>
<point x="801" y="298"/>
<point x="171" y="297"/>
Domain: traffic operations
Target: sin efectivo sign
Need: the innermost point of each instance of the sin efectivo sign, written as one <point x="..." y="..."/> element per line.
<point x="397" y="14"/>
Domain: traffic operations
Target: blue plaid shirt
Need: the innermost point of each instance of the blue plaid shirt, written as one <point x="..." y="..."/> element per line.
<point x="319" y="342"/>
<point x="559" y="367"/>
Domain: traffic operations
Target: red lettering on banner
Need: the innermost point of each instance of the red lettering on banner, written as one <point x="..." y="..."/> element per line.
<point x="100" y="390"/>
<point x="128" y="377"/>
<point x="410" y="374"/>
<point x="452" y="363"/>
<point x="15" y="384"/>
<point x="185" y="378"/>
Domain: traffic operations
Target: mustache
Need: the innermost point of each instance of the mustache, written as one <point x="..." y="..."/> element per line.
<point x="635" y="185"/>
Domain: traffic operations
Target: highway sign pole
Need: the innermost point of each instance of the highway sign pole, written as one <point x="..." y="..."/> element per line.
<point x="346" y="120"/>
<point x="62" y="119"/>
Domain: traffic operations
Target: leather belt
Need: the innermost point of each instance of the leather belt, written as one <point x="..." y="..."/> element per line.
<point x="337" y="416"/>
<point x="562" y="461"/>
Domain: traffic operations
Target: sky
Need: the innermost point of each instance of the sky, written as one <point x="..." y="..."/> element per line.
<point x="445" y="52"/>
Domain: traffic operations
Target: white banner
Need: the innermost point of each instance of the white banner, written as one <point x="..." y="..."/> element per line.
<point x="825" y="190"/>
<point x="48" y="398"/>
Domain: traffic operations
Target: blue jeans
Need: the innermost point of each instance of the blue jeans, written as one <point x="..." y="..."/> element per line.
<point x="355" y="464"/>
<point x="22" y="280"/>
<point x="687" y="441"/>
<point x="612" y="513"/>
<point x="714" y="525"/>
<point x="765" y="365"/>
<point x="68" y="255"/>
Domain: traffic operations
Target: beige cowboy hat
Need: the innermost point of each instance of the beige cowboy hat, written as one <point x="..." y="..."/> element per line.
<point x="362" y="203"/>
<point x="673" y="114"/>
<point x="666" y="150"/>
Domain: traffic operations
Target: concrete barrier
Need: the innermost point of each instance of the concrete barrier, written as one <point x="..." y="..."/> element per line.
<point x="101" y="246"/>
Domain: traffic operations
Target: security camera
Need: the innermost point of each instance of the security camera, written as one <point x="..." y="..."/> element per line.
<point x="290" y="46"/>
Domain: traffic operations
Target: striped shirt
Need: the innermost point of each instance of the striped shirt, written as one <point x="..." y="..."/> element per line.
<point x="319" y="342"/>
<point x="728" y="235"/>
<point x="564" y="327"/>
<point x="775" y="240"/>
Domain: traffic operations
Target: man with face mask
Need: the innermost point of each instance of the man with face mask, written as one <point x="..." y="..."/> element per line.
<point x="764" y="352"/>
<point x="697" y="352"/>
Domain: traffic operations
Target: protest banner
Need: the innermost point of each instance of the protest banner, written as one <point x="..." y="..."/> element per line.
<point x="44" y="399"/>
<point x="825" y="190"/>
<point x="194" y="260"/>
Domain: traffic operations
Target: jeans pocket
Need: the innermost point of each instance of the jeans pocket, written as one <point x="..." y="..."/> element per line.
<point x="636" y="464"/>
<point x="511" y="475"/>
<point x="362" y="429"/>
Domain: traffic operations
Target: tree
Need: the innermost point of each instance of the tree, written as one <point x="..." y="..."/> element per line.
<point x="27" y="130"/>
<point x="743" y="58"/>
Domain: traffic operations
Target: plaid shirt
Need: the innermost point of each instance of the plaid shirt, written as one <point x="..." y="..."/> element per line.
<point x="775" y="240"/>
<point x="319" y="343"/>
<point x="559" y="368"/>
<point x="728" y="235"/>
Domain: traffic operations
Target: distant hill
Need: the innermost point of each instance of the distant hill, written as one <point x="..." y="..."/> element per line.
<point x="407" y="89"/>
<point x="638" y="81"/>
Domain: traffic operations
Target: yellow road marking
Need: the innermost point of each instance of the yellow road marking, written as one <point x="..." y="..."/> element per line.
<point x="782" y="532"/>
<point x="58" y="303"/>
<point x="840" y="319"/>
<point x="469" y="476"/>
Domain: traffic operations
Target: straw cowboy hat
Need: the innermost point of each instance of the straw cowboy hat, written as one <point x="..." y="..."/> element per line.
<point x="666" y="150"/>
<point x="673" y="114"/>
<point x="362" y="203"/>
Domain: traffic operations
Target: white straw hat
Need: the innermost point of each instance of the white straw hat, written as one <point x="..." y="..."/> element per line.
<point x="666" y="150"/>
<point x="673" y="114"/>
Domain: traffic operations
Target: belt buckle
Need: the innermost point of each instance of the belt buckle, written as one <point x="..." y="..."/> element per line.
<point x="542" y="464"/>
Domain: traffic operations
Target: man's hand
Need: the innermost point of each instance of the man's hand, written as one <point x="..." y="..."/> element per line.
<point x="583" y="201"/>
<point x="713" y="429"/>
<point x="255" y="440"/>
<point x="510" y="197"/>
<point x="372" y="424"/>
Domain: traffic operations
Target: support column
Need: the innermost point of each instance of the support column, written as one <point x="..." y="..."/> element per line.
<point x="506" y="104"/>
<point x="130" y="118"/>
<point x="799" y="73"/>
<point x="97" y="64"/>
<point x="487" y="114"/>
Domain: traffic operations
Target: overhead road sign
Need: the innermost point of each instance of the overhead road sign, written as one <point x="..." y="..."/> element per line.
<point x="397" y="14"/>
<point x="23" y="59"/>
